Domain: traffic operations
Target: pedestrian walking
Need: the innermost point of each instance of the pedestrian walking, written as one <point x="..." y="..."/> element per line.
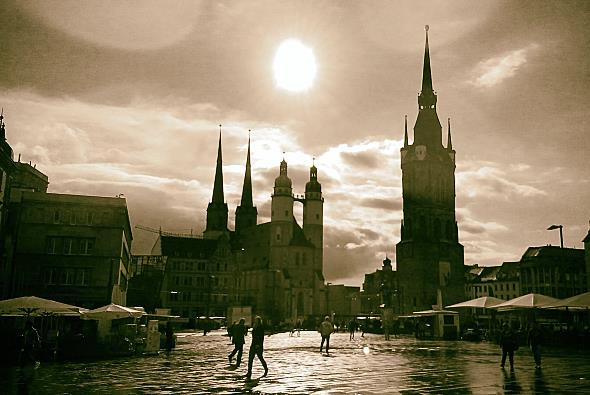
<point x="169" y="336"/>
<point x="298" y="328"/>
<point x="326" y="329"/>
<point x="509" y="344"/>
<point x="352" y="326"/>
<point x="30" y="345"/>
<point x="257" y="347"/>
<point x="238" y="332"/>
<point x="535" y="338"/>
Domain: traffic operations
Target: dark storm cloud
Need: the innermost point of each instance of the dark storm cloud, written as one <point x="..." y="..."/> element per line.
<point x="382" y="204"/>
<point x="364" y="160"/>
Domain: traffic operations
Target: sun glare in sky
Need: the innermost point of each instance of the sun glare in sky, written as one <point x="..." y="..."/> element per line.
<point x="294" y="66"/>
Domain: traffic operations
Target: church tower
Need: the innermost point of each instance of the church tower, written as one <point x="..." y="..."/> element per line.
<point x="217" y="209"/>
<point x="313" y="215"/>
<point x="246" y="212"/>
<point x="429" y="255"/>
<point x="281" y="216"/>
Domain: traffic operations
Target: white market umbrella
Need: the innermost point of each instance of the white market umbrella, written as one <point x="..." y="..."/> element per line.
<point x="27" y="305"/>
<point x="581" y="301"/>
<point x="528" y="301"/>
<point x="111" y="312"/>
<point x="484" y="302"/>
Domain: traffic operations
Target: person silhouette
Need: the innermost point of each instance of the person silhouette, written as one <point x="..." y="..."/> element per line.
<point x="326" y="329"/>
<point x="238" y="332"/>
<point x="257" y="347"/>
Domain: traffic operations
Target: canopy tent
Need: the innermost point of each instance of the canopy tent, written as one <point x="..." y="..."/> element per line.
<point x="581" y="301"/>
<point x="112" y="312"/>
<point x="484" y="302"/>
<point x="27" y="305"/>
<point x="433" y="312"/>
<point x="528" y="301"/>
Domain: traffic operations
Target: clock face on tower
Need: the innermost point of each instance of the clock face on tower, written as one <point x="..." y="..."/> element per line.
<point x="420" y="152"/>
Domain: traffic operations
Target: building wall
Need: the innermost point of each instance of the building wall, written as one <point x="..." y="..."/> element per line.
<point x="71" y="248"/>
<point x="553" y="271"/>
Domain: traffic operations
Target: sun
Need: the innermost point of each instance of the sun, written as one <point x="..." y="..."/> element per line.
<point x="294" y="66"/>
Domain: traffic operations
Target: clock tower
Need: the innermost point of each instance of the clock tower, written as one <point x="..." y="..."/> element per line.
<point x="429" y="255"/>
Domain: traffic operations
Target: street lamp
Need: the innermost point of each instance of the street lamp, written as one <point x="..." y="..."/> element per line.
<point x="560" y="227"/>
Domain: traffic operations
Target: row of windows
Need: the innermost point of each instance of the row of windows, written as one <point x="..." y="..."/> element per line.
<point x="495" y="287"/>
<point x="198" y="297"/>
<point x="66" y="276"/>
<point x="200" y="281"/>
<point x="71" y="216"/>
<point x="69" y="245"/>
<point x="199" y="266"/>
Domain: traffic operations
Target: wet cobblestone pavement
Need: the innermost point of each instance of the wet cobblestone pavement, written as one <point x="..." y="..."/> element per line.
<point x="368" y="365"/>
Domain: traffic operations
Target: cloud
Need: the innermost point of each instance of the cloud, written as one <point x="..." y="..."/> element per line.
<point x="495" y="70"/>
<point x="489" y="181"/>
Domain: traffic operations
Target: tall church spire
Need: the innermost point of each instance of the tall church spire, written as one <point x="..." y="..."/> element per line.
<point x="449" y="141"/>
<point x="217" y="209"/>
<point x="427" y="130"/>
<point x="247" y="187"/>
<point x="246" y="213"/>
<point x="218" y="184"/>
<point x="405" y="130"/>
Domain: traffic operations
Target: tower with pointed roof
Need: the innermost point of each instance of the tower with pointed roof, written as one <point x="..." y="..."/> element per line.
<point x="429" y="256"/>
<point x="217" y="211"/>
<point x="246" y="212"/>
<point x="281" y="216"/>
<point x="313" y="214"/>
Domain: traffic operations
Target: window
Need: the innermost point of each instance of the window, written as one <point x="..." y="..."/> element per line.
<point x="86" y="246"/>
<point x="286" y="213"/>
<point x="51" y="245"/>
<point x="68" y="247"/>
<point x="56" y="216"/>
<point x="89" y="217"/>
<point x="317" y="216"/>
<point x="81" y="277"/>
<point x="51" y="276"/>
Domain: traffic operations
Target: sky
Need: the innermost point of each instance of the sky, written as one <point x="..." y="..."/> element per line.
<point x="125" y="97"/>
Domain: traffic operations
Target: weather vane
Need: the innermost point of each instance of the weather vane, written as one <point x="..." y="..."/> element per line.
<point x="426" y="27"/>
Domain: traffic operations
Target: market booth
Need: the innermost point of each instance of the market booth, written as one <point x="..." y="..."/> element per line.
<point x="436" y="324"/>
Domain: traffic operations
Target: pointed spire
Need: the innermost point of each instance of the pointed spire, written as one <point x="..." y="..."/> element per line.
<point x="427" y="97"/>
<point x="426" y="72"/>
<point x="247" y="188"/>
<point x="449" y="141"/>
<point x="405" y="130"/>
<point x="218" y="185"/>
<point x="2" y="126"/>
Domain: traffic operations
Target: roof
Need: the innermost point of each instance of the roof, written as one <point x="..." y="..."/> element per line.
<point x="299" y="238"/>
<point x="489" y="273"/>
<point x="587" y="238"/>
<point x="552" y="252"/>
<point x="187" y="246"/>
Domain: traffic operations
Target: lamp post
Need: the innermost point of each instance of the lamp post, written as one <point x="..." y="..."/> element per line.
<point x="328" y="298"/>
<point x="560" y="227"/>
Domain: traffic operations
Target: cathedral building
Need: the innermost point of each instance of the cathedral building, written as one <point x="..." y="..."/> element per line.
<point x="275" y="267"/>
<point x="429" y="255"/>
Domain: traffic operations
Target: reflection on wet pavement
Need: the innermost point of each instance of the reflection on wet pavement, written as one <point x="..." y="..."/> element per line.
<point x="368" y="365"/>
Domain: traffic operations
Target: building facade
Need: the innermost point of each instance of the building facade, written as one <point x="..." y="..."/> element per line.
<point x="553" y="271"/>
<point x="70" y="248"/>
<point x="429" y="256"/>
<point x="7" y="171"/>
<point x="275" y="267"/>
<point x="380" y="290"/>
<point x="502" y="282"/>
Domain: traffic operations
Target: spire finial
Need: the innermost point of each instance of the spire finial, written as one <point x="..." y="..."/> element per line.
<point x="426" y="27"/>
<point x="218" y="196"/>
<point x="405" y="130"/>
<point x="449" y="141"/>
